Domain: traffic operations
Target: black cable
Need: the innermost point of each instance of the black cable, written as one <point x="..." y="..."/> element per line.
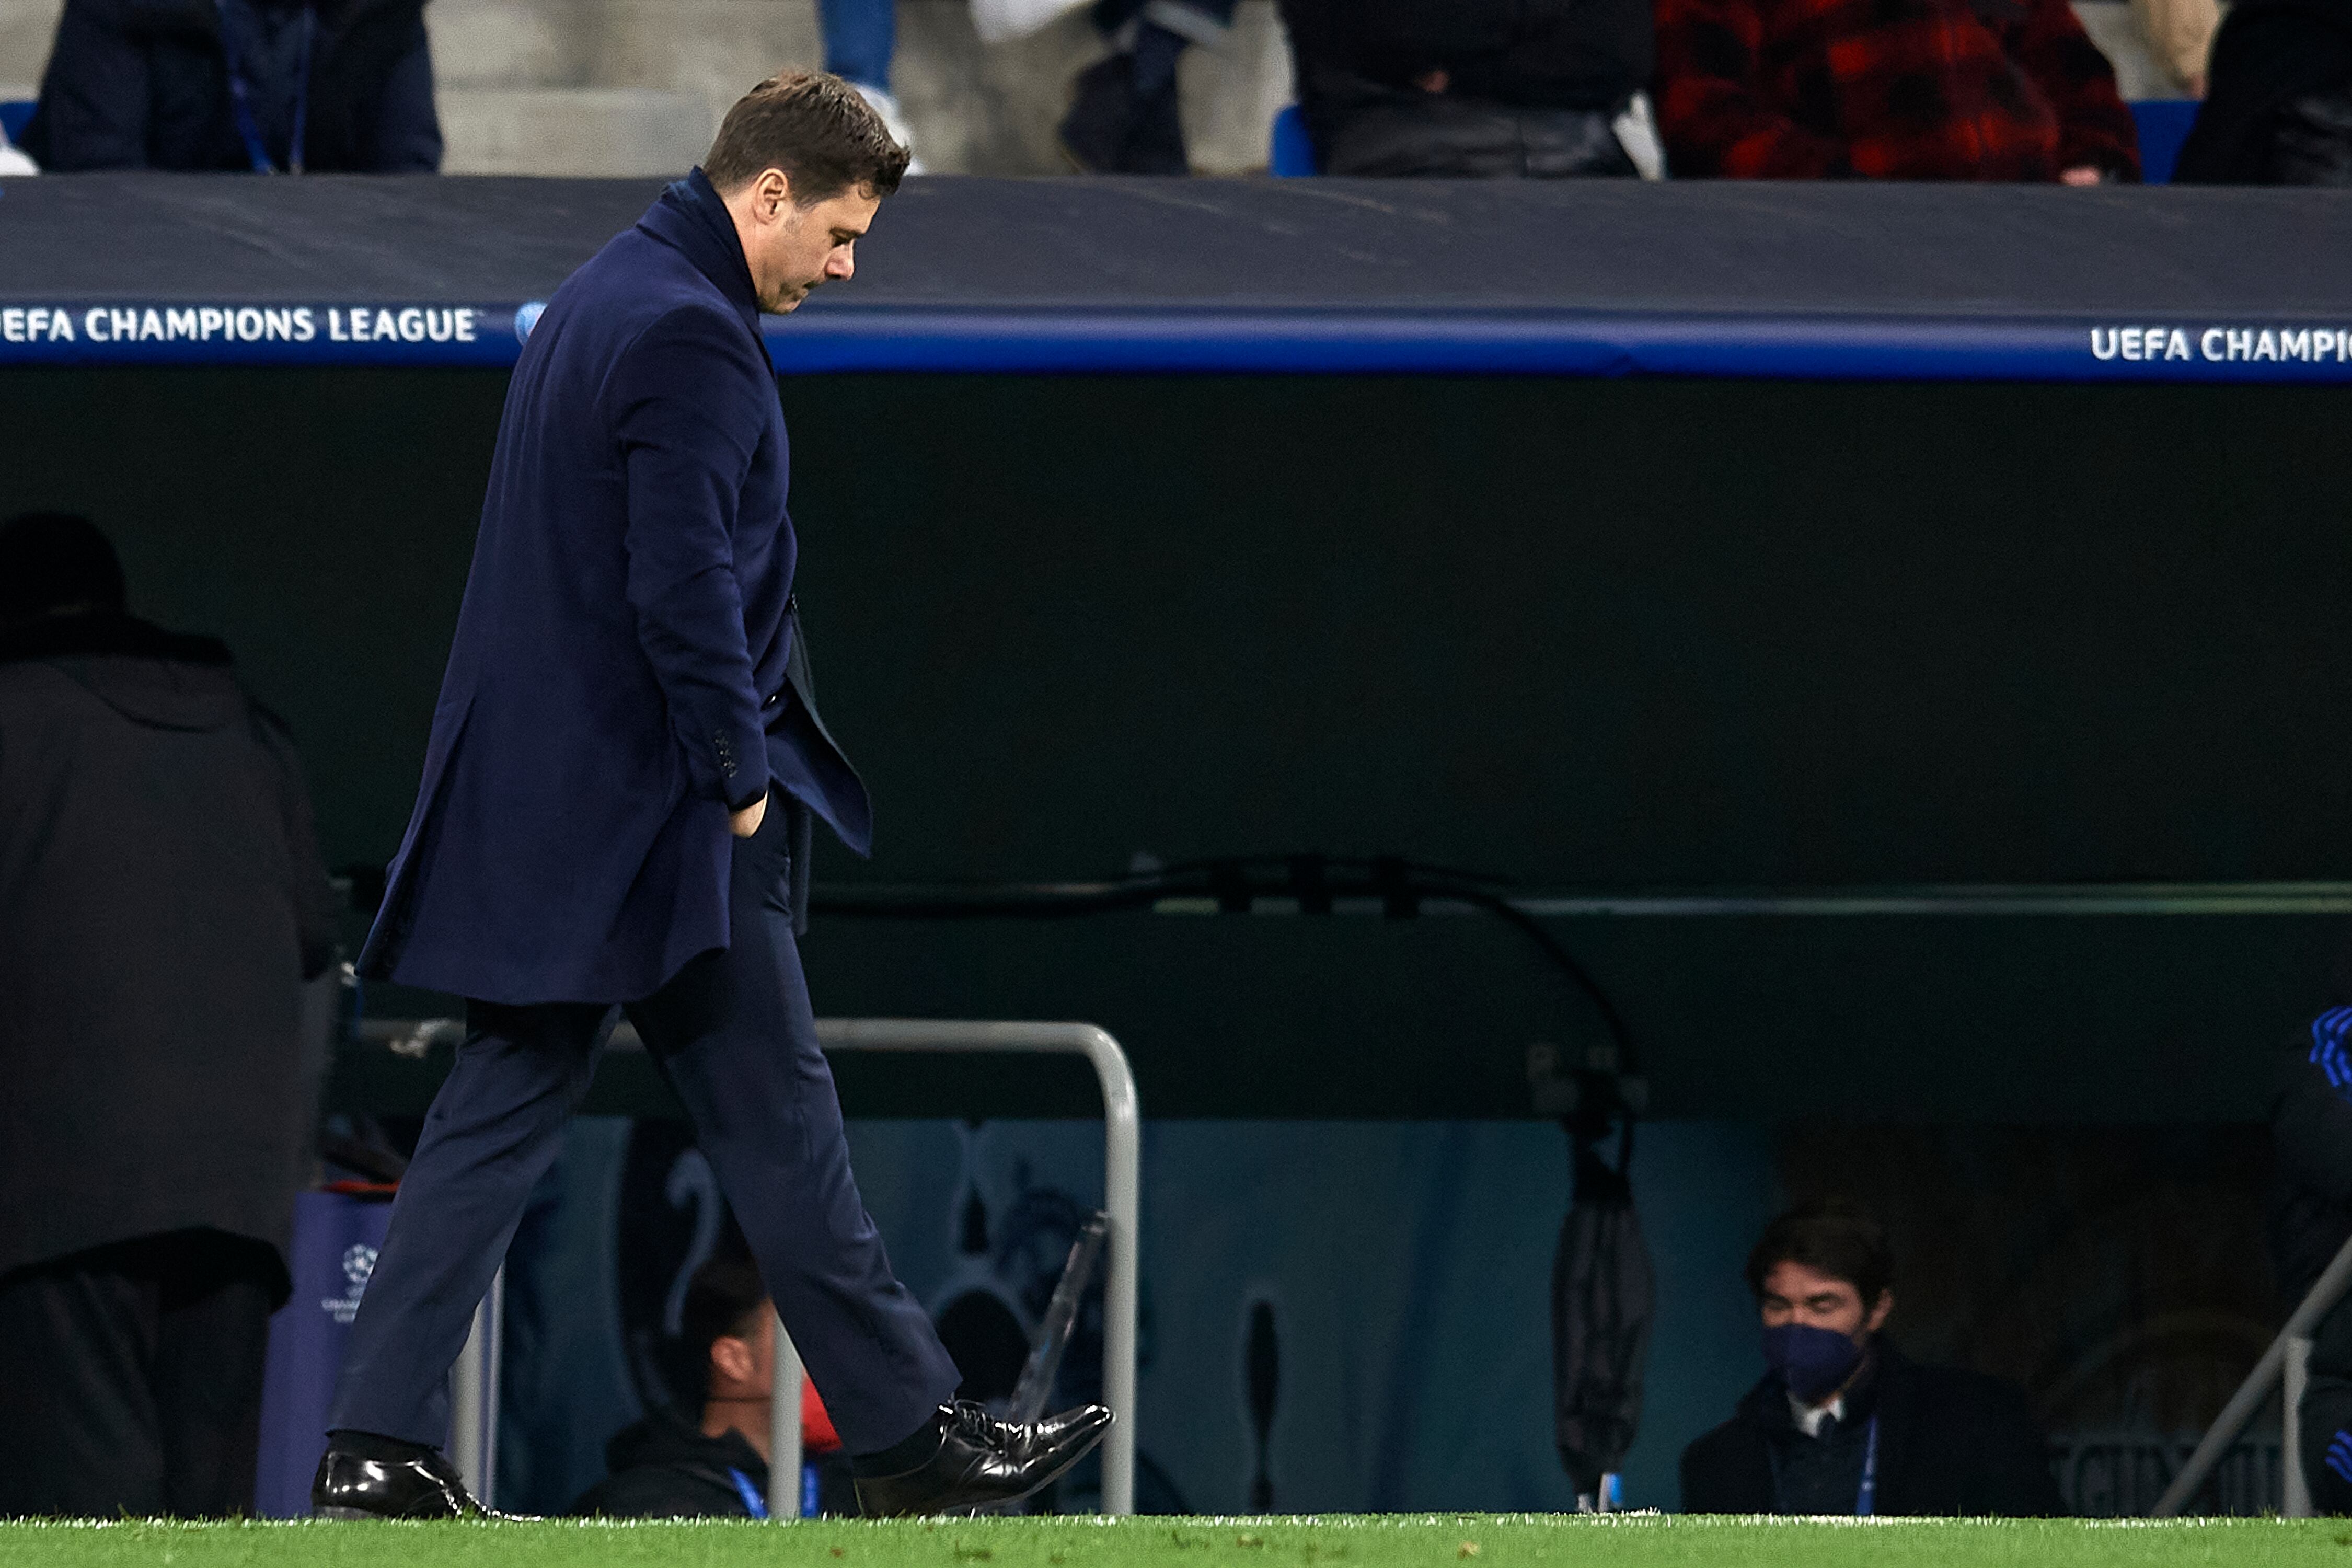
<point x="1314" y="881"/>
<point x="1532" y="929"/>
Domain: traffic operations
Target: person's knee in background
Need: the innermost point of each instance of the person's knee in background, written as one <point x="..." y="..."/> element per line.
<point x="1124" y="116"/>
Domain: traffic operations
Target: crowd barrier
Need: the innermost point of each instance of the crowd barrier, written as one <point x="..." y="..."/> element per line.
<point x="475" y="1382"/>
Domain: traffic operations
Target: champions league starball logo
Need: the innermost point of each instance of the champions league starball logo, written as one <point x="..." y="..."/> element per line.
<point x="359" y="1263"/>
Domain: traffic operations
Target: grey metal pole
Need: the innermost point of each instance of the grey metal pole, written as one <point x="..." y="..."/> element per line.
<point x="474" y="1395"/>
<point x="2294" y="1487"/>
<point x="465" y="1408"/>
<point x="2328" y="1290"/>
<point x="1122" y="1186"/>
<point x="785" y="1429"/>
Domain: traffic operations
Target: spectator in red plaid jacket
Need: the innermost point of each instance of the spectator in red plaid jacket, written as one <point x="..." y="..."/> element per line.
<point x="1888" y="89"/>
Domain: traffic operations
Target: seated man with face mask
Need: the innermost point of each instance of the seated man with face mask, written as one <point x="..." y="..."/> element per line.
<point x="1843" y="1423"/>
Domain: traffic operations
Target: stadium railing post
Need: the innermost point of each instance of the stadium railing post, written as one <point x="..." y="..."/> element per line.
<point x="477" y="1367"/>
<point x="2328" y="1290"/>
<point x="785" y="1458"/>
<point x="2294" y="1487"/>
<point x="474" y="1395"/>
<point x="1122" y="1186"/>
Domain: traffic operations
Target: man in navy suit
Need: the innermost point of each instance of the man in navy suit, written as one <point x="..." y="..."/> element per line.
<point x="614" y="812"/>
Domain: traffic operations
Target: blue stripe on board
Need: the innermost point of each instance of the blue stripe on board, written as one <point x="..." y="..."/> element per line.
<point x="846" y="338"/>
<point x="1878" y="348"/>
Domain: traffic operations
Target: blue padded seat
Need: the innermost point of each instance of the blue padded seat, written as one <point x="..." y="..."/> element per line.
<point x="1291" y="154"/>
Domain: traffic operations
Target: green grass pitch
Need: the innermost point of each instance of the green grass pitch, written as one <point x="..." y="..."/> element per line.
<point x="1384" y="1540"/>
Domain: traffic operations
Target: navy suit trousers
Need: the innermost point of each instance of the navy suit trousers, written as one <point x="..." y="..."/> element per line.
<point x="734" y="1035"/>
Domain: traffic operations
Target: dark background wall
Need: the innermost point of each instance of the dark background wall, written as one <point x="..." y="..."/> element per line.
<point x="1588" y="634"/>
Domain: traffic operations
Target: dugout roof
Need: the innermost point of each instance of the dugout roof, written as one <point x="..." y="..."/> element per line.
<point x="1597" y="277"/>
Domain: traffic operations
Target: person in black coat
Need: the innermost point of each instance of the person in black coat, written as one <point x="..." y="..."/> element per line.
<point x="162" y="902"/>
<point x="1843" y="1423"/>
<point x="226" y="86"/>
<point x="1477" y="89"/>
<point x="663" y="1469"/>
<point x="2310" y="1221"/>
<point x="2278" y="105"/>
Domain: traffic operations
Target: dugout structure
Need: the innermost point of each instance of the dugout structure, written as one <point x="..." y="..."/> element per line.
<point x="1886" y="544"/>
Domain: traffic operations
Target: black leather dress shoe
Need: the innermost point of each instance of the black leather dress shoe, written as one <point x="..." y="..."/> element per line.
<point x="982" y="1461"/>
<point x="349" y="1485"/>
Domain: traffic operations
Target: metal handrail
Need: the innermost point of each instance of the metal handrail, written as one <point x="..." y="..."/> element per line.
<point x="1122" y="1189"/>
<point x="2325" y="1293"/>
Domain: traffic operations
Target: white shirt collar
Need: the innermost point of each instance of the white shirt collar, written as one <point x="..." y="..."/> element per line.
<point x="1809" y="1418"/>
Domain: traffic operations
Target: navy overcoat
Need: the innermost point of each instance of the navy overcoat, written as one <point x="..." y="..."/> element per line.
<point x="625" y="669"/>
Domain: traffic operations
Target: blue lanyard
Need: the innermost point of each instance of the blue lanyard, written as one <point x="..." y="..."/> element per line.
<point x="241" y="102"/>
<point x="1867" y="1504"/>
<point x="750" y="1494"/>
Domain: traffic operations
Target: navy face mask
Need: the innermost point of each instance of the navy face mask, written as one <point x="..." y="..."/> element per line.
<point x="1814" y="1363"/>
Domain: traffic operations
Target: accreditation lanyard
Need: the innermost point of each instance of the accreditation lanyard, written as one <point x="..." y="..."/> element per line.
<point x="1865" y="1503"/>
<point x="756" y="1505"/>
<point x="241" y="97"/>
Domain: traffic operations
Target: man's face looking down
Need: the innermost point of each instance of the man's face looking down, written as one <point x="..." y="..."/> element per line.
<point x="1793" y="1293"/>
<point x="792" y="248"/>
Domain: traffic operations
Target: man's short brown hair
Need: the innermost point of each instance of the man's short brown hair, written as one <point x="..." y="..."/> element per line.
<point x="1831" y="1236"/>
<point x="723" y="1298"/>
<point x="817" y="128"/>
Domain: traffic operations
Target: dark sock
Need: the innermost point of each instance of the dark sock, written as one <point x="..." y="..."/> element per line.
<point x="375" y="1446"/>
<point x="912" y="1453"/>
<point x="1156" y="49"/>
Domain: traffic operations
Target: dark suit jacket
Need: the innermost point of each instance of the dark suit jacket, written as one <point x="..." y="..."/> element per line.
<point x="1950" y="1443"/>
<point x="143" y="84"/>
<point x="621" y="674"/>
<point x="160" y="902"/>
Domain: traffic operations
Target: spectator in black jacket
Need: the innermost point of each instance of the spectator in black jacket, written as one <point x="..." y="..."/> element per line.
<point x="1843" y="1423"/>
<point x="1477" y="89"/>
<point x="2278" y="103"/>
<point x="161" y="902"/>
<point x="286" y="86"/>
<point x="2311" y="1219"/>
<point x="718" y="1469"/>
